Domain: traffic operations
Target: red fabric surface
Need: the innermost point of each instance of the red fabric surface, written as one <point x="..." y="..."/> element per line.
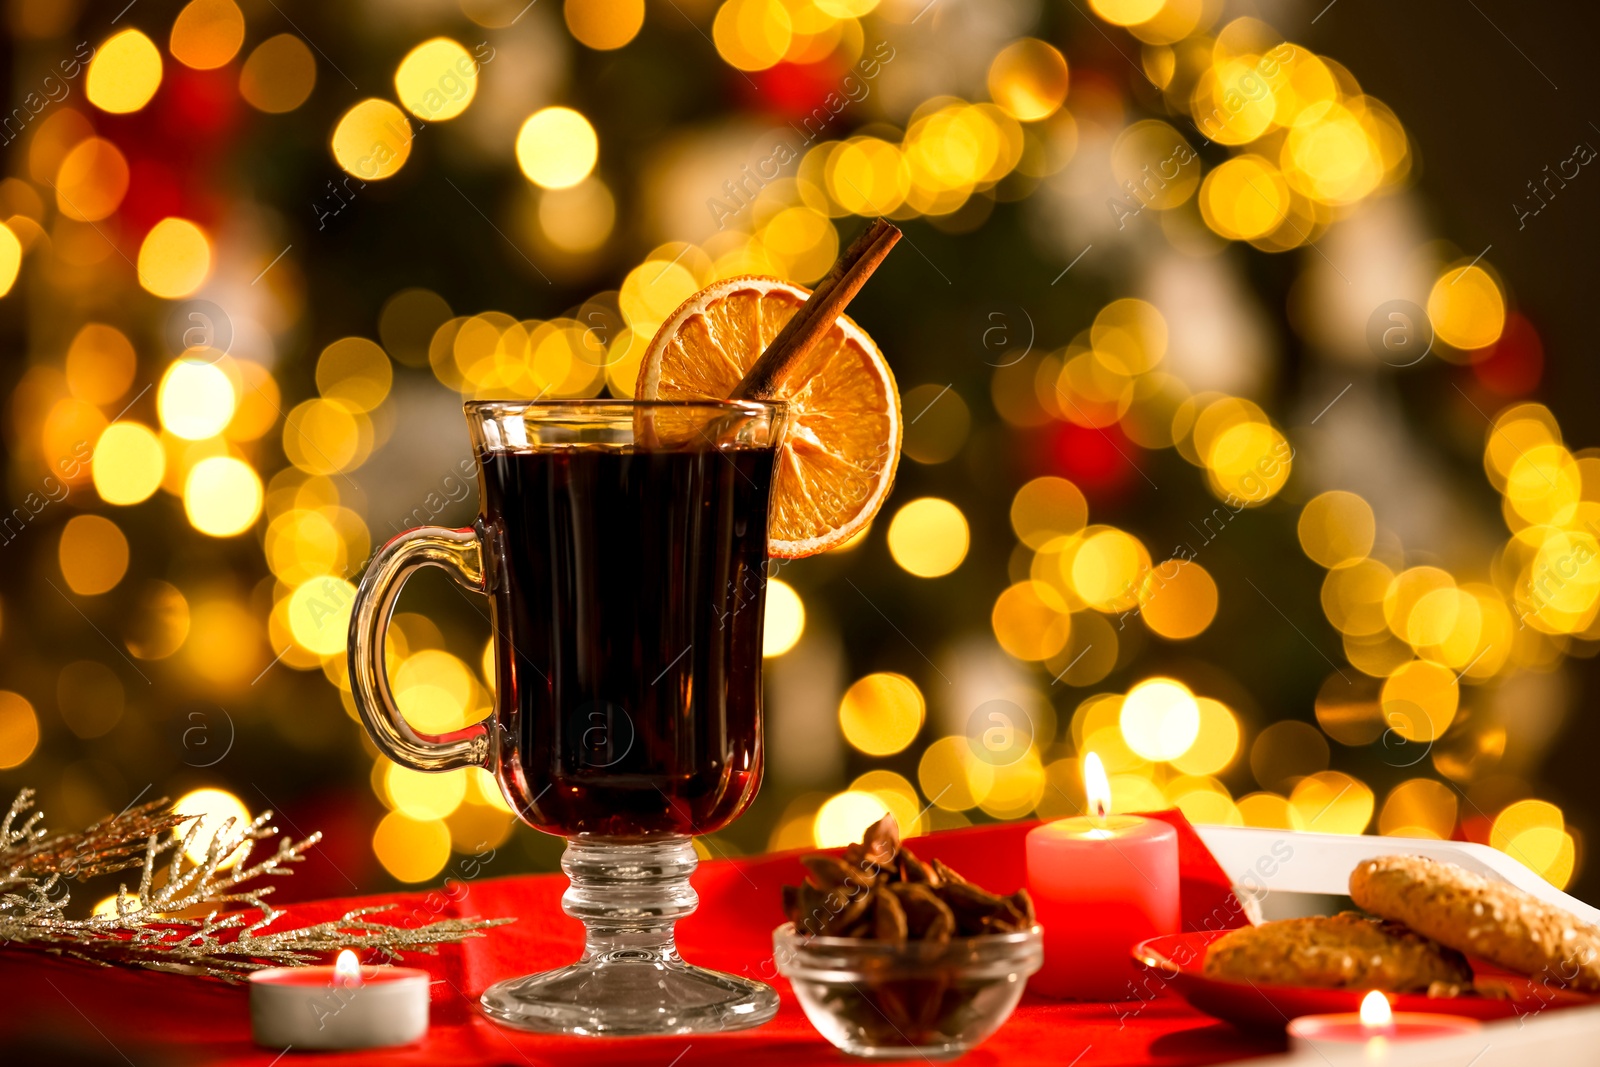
<point x="149" y="1018"/>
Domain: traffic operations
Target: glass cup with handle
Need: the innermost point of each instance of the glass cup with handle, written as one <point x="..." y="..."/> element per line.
<point x="622" y="546"/>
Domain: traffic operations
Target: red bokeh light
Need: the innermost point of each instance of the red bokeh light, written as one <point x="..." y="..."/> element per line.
<point x="1096" y="459"/>
<point x="1513" y="365"/>
<point x="794" y="91"/>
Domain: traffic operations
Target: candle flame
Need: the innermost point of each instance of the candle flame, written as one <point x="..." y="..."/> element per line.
<point x="1375" y="1013"/>
<point x="1096" y="787"/>
<point x="347" y="969"/>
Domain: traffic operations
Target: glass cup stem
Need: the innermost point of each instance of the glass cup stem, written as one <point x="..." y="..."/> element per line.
<point x="629" y="896"/>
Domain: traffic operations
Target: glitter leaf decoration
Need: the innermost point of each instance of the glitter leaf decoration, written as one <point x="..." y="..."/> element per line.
<point x="185" y="916"/>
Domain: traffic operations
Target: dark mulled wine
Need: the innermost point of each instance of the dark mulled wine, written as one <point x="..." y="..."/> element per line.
<point x="628" y="588"/>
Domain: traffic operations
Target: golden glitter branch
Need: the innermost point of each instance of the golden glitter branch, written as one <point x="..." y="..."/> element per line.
<point x="155" y="926"/>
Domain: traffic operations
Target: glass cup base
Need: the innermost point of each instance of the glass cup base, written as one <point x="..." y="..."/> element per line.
<point x="627" y="997"/>
<point x="631" y="980"/>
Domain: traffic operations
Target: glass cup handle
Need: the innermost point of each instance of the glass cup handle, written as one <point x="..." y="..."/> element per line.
<point x="461" y="555"/>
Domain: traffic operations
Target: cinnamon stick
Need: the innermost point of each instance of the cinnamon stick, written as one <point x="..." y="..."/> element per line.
<point x="826" y="303"/>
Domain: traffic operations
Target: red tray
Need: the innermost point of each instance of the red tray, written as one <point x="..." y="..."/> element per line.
<point x="1177" y="961"/>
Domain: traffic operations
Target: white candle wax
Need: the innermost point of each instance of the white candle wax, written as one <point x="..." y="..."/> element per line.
<point x="341" y="1007"/>
<point x="1375" y="1026"/>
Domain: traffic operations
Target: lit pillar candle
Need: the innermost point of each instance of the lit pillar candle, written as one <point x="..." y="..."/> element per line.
<point x="1375" y="1026"/>
<point x="340" y="1007"/>
<point x="1101" y="883"/>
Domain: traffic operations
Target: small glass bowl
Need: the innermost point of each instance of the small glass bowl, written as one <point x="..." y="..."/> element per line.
<point x="891" y="1000"/>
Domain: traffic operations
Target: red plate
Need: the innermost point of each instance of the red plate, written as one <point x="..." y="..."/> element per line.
<point x="1176" y="961"/>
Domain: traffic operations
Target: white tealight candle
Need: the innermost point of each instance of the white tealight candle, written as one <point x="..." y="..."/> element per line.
<point x="1376" y="1026"/>
<point x="340" y="1007"/>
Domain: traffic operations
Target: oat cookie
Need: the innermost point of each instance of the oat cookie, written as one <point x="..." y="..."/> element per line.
<point x="1491" y="920"/>
<point x="1335" y="952"/>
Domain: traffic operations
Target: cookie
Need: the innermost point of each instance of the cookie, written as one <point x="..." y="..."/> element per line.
<point x="1344" y="951"/>
<point x="1490" y="920"/>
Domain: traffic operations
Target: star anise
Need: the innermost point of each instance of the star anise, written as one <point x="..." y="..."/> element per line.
<point x="880" y="889"/>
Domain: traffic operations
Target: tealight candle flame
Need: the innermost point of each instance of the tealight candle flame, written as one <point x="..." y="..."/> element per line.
<point x="1375" y="1013"/>
<point x="1096" y="788"/>
<point x="347" y="970"/>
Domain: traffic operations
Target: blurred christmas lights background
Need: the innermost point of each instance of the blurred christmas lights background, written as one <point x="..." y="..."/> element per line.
<point x="1224" y="457"/>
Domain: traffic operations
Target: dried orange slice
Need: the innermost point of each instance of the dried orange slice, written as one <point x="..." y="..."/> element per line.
<point x="838" y="457"/>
